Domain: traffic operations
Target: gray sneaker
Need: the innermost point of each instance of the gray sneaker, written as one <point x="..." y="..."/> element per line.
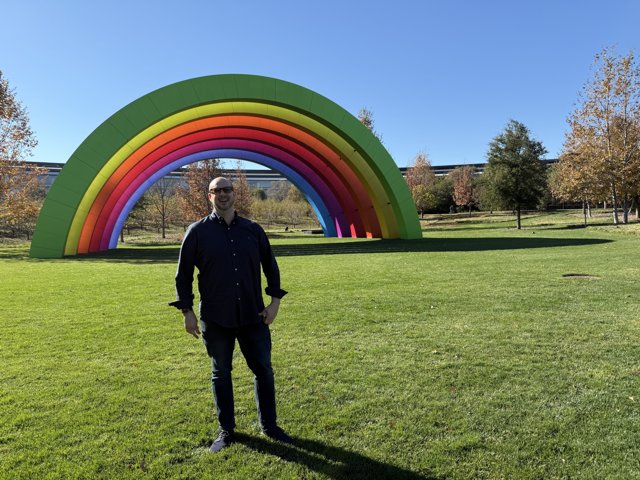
<point x="225" y="438"/>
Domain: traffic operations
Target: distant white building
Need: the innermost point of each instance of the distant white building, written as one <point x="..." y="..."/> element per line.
<point x="261" y="179"/>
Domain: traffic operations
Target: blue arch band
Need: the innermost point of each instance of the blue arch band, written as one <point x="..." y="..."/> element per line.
<point x="310" y="194"/>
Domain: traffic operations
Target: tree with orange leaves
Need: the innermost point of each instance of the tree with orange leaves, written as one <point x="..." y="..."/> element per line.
<point x="420" y="180"/>
<point x="243" y="192"/>
<point x="194" y="197"/>
<point x="602" y="148"/>
<point x="571" y="180"/>
<point x="21" y="191"/>
<point x="463" y="186"/>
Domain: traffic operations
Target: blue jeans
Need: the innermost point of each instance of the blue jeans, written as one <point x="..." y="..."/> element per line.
<point x="255" y="344"/>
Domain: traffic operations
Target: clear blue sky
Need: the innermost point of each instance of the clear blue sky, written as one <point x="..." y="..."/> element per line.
<point x="441" y="77"/>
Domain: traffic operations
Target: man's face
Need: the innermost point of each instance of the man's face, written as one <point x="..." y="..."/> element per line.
<point x="221" y="195"/>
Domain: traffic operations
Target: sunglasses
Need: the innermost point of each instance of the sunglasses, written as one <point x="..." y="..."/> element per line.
<point x="216" y="191"/>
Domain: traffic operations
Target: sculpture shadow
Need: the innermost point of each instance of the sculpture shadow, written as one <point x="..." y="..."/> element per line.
<point x="333" y="462"/>
<point x="154" y="255"/>
<point x="169" y="254"/>
<point x="13" y="253"/>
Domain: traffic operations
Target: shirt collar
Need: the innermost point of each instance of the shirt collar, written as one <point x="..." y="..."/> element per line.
<point x="220" y="219"/>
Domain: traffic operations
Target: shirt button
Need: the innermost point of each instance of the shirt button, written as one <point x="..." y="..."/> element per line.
<point x="238" y="298"/>
<point x="237" y="284"/>
<point x="234" y="254"/>
<point x="236" y="269"/>
<point x="231" y="241"/>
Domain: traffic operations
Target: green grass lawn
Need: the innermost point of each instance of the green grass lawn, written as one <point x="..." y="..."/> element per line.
<point x="477" y="352"/>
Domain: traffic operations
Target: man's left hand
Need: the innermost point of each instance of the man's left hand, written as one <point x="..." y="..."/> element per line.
<point x="270" y="312"/>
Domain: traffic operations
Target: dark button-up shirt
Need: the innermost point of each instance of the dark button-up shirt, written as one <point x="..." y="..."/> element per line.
<point x="228" y="258"/>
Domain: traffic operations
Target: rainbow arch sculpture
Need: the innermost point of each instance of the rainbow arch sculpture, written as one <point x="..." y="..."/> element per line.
<point x="345" y="173"/>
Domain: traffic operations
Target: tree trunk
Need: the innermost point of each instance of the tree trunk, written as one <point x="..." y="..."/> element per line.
<point x="633" y="208"/>
<point x="122" y="236"/>
<point x="584" y="211"/>
<point x="518" y="224"/>
<point x="625" y="209"/>
<point x="614" y="200"/>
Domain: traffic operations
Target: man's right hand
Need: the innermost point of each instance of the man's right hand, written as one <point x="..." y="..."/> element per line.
<point x="191" y="324"/>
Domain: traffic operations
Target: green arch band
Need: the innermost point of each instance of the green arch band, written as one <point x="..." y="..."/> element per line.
<point x="91" y="165"/>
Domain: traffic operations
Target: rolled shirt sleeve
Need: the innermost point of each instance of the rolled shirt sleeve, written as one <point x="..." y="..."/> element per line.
<point x="184" y="274"/>
<point x="269" y="266"/>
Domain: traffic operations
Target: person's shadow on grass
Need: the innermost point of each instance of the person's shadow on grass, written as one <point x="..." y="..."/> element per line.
<point x="334" y="462"/>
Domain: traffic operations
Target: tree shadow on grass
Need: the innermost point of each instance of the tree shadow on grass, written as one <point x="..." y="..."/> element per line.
<point x="476" y="226"/>
<point x="169" y="254"/>
<point x="334" y="462"/>
<point x="431" y="245"/>
<point x="575" y="226"/>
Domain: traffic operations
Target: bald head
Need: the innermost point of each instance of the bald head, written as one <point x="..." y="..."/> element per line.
<point x="222" y="197"/>
<point x="220" y="182"/>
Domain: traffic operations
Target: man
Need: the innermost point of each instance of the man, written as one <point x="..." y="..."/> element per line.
<point x="228" y="251"/>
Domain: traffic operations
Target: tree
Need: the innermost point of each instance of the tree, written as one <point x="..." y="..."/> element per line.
<point x="486" y="195"/>
<point x="442" y="191"/>
<point x="194" y="198"/>
<point x="259" y="194"/>
<point x="463" y="182"/>
<point x="21" y="198"/>
<point x="514" y="168"/>
<point x="420" y="180"/>
<point x="16" y="138"/>
<point x="294" y="211"/>
<point x="279" y="190"/>
<point x="604" y="138"/>
<point x="21" y="192"/>
<point x="137" y="218"/>
<point x="295" y="195"/>
<point x="366" y="118"/>
<point x="571" y="180"/>
<point x="266" y="211"/>
<point x="242" y="191"/>
<point x="163" y="203"/>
